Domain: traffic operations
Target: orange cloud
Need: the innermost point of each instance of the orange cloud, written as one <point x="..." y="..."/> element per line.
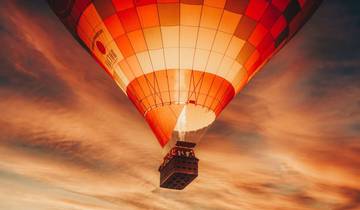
<point x="71" y="140"/>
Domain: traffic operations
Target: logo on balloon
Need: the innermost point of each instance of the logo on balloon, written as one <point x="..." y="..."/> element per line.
<point x="101" y="47"/>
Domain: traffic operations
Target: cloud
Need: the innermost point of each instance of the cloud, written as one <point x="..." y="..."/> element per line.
<point x="71" y="140"/>
<point x="25" y="70"/>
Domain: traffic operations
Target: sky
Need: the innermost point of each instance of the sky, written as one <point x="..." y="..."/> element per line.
<point x="71" y="140"/>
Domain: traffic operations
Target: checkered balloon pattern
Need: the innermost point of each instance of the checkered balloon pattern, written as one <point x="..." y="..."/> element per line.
<point x="174" y="55"/>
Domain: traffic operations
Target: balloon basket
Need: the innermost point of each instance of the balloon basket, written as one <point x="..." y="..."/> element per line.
<point x="180" y="166"/>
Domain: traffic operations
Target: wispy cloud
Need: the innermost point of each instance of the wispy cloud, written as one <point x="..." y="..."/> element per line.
<point x="69" y="139"/>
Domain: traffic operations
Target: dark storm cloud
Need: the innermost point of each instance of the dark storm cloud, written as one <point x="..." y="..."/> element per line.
<point x="31" y="75"/>
<point x="24" y="69"/>
<point x="319" y="83"/>
<point x="333" y="36"/>
<point x="336" y="47"/>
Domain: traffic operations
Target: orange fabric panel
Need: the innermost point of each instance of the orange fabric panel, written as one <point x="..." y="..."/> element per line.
<point x="169" y="14"/>
<point x="252" y="60"/>
<point x="168" y="1"/>
<point x="168" y="53"/>
<point x="137" y="40"/>
<point x="114" y="26"/>
<point x="279" y="26"/>
<point x="148" y="16"/>
<point x="124" y="45"/>
<point x="245" y="53"/>
<point x="256" y="8"/>
<point x="162" y="121"/>
<point x="122" y="4"/>
<point x="130" y="19"/>
<point x="258" y="35"/>
<point x="156" y="95"/>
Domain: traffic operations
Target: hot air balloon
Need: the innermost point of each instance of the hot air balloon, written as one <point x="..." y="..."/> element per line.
<point x="181" y="62"/>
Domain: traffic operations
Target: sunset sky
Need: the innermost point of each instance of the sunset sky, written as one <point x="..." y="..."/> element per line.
<point x="71" y="140"/>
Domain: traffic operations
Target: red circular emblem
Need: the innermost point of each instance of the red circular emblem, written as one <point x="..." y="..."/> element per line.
<point x="100" y="47"/>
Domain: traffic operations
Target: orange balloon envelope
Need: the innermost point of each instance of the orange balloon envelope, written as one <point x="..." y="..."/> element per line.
<point x="182" y="61"/>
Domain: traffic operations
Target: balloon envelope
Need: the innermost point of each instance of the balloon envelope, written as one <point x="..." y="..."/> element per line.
<point x="182" y="61"/>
